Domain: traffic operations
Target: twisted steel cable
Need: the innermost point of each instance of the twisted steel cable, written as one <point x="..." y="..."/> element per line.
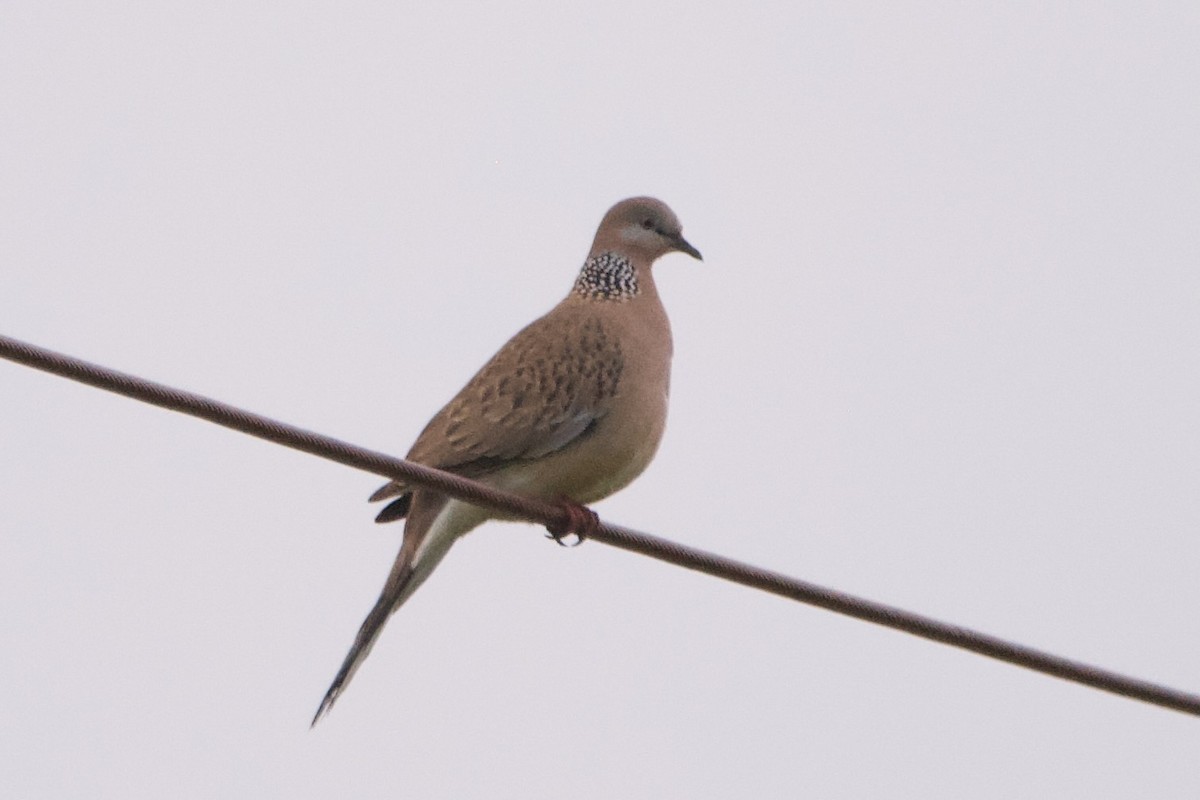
<point x="552" y="515"/>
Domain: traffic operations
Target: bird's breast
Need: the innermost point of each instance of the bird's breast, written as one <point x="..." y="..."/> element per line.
<point x="621" y="443"/>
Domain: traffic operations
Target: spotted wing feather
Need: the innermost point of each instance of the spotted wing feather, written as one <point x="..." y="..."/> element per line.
<point x="546" y="388"/>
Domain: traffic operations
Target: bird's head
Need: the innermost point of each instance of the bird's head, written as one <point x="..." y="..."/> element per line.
<point x="643" y="228"/>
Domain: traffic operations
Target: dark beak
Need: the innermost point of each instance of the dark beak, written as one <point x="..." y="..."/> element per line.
<point x="681" y="244"/>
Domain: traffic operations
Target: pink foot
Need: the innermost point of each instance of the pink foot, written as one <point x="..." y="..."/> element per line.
<point x="581" y="521"/>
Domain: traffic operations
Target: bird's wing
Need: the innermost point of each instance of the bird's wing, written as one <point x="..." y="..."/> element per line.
<point x="544" y="389"/>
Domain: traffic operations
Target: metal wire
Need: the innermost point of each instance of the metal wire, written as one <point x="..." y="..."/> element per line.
<point x="549" y="514"/>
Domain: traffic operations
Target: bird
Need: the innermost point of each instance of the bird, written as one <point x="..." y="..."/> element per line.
<point x="570" y="410"/>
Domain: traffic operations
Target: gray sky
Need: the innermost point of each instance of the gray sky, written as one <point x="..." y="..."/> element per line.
<point x="943" y="352"/>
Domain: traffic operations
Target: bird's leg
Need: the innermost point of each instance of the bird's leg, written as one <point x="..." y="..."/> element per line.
<point x="581" y="521"/>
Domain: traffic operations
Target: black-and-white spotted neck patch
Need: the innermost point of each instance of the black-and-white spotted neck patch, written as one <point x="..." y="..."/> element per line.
<point x="607" y="276"/>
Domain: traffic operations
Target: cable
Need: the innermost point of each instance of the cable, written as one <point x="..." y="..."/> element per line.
<point x="551" y="515"/>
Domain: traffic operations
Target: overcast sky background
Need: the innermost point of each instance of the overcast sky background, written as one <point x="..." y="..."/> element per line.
<point x="943" y="352"/>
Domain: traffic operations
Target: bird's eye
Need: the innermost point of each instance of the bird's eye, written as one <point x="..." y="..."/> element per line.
<point x="647" y="223"/>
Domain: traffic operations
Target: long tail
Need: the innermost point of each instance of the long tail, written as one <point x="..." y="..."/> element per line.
<point x="428" y="535"/>
<point x="389" y="600"/>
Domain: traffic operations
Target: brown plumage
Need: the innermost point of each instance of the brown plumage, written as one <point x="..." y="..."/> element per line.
<point x="573" y="406"/>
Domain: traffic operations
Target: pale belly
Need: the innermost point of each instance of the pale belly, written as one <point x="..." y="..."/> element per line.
<point x="607" y="460"/>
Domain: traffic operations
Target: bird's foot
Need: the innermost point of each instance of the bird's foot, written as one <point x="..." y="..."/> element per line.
<point x="580" y="521"/>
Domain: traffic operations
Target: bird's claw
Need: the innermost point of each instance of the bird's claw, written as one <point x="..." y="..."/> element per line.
<point x="580" y="521"/>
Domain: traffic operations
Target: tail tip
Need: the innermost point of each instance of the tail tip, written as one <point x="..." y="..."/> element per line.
<point x="326" y="705"/>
